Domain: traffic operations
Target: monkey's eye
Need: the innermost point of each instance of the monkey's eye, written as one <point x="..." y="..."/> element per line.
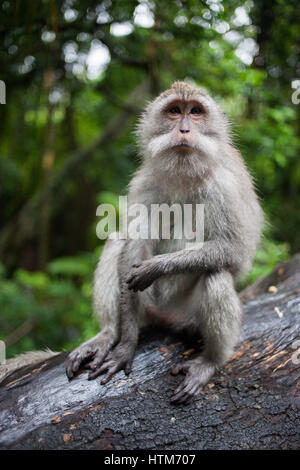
<point x="175" y="110"/>
<point x="196" y="110"/>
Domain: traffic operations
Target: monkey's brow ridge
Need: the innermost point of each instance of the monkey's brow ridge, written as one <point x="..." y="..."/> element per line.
<point x="182" y="90"/>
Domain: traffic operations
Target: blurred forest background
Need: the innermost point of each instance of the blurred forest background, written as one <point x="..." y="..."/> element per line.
<point x="77" y="75"/>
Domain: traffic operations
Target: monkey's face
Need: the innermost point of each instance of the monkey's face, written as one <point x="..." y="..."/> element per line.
<point x="183" y="123"/>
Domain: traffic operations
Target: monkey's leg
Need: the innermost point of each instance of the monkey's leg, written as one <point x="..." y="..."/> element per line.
<point x="218" y="319"/>
<point x="106" y="305"/>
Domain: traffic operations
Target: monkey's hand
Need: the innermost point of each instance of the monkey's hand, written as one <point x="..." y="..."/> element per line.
<point x="90" y="354"/>
<point x="144" y="274"/>
<point x="119" y="358"/>
<point x="197" y="372"/>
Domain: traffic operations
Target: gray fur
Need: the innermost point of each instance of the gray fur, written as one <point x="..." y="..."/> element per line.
<point x="23" y="360"/>
<point x="189" y="288"/>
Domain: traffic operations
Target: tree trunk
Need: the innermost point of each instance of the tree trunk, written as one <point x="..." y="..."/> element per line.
<point x="251" y="403"/>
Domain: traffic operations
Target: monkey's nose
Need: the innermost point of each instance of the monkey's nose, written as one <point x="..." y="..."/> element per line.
<point x="184" y="131"/>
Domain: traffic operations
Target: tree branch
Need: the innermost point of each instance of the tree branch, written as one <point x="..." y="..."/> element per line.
<point x="252" y="403"/>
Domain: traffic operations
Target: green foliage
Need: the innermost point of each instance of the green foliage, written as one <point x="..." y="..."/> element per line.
<point x="266" y="259"/>
<point x="57" y="305"/>
<point x="70" y="267"/>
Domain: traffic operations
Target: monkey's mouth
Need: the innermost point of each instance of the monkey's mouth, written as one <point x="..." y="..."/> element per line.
<point x="184" y="145"/>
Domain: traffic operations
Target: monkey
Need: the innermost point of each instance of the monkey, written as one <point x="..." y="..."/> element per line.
<point x="20" y="361"/>
<point x="187" y="157"/>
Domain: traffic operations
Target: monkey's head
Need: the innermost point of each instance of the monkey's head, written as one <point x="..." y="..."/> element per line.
<point x="182" y="124"/>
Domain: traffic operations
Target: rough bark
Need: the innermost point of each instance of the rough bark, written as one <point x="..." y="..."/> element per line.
<point x="251" y="403"/>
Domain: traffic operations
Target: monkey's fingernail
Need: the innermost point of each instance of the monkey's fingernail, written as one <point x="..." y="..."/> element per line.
<point x="69" y="372"/>
<point x="173" y="399"/>
<point x="104" y="381"/>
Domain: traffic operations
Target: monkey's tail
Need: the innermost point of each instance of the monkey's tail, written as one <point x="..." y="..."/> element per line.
<point x="23" y="360"/>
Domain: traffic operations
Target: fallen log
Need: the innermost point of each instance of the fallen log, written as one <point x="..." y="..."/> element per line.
<point x="252" y="403"/>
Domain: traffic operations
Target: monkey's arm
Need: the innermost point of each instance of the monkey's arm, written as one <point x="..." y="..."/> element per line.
<point x="213" y="256"/>
<point x="224" y="250"/>
<point x="122" y="355"/>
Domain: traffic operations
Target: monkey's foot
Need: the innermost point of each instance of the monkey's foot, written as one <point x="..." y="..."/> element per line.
<point x="90" y="354"/>
<point x="197" y="373"/>
<point x="119" y="358"/>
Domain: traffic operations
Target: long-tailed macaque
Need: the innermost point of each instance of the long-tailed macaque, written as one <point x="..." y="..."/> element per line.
<point x="187" y="158"/>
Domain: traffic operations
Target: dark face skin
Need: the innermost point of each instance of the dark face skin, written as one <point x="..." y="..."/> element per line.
<point x="185" y="115"/>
